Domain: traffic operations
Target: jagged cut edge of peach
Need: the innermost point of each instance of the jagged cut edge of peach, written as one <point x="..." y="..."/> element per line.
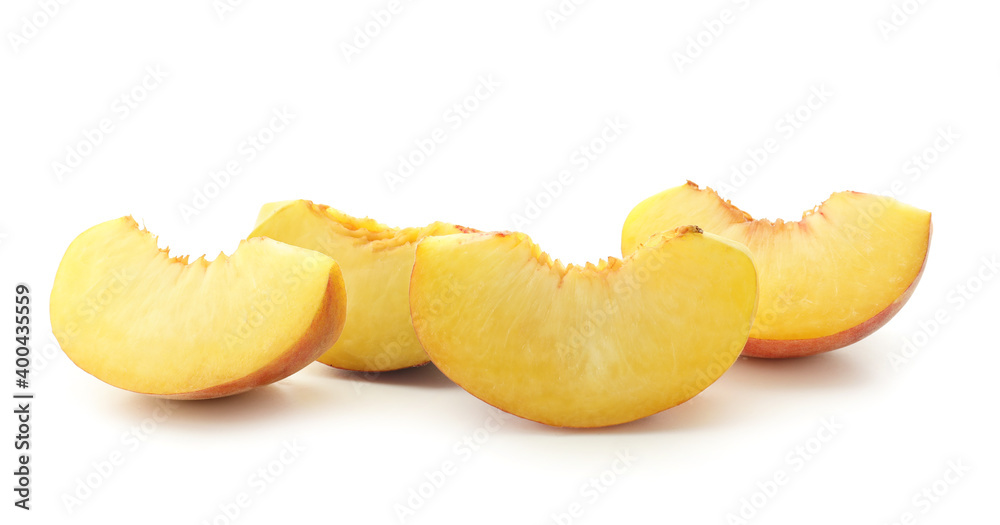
<point x="201" y="261"/>
<point x="768" y="222"/>
<point x="603" y="265"/>
<point x="378" y="235"/>
<point x="726" y="202"/>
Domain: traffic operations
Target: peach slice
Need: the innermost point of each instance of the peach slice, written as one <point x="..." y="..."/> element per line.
<point x="826" y="281"/>
<point x="129" y="314"/>
<point x="583" y="346"/>
<point x="376" y="261"/>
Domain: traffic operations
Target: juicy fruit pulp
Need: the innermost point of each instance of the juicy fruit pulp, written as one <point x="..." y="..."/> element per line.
<point x="131" y="315"/>
<point x="376" y="261"/>
<point x="826" y="281"/>
<point x="583" y="346"/>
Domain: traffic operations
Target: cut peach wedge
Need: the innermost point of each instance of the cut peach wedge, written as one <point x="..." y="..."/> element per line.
<point x="376" y="261"/>
<point x="583" y="346"/>
<point x="826" y="281"/>
<point x="129" y="314"/>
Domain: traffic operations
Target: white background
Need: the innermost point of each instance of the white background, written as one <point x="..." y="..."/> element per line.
<point x="367" y="442"/>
